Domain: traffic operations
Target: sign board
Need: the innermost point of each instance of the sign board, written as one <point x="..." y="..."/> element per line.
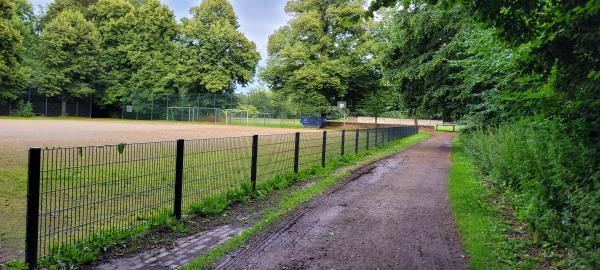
<point x="129" y="108"/>
<point x="341" y="104"/>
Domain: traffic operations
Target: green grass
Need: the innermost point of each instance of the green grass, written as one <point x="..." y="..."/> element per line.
<point x="483" y="225"/>
<point x="296" y="198"/>
<point x="450" y="128"/>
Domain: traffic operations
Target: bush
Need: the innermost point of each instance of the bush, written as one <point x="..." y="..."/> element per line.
<point x="24" y="109"/>
<point x="549" y="178"/>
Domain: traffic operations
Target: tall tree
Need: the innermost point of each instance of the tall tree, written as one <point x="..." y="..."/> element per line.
<point x="13" y="74"/>
<point x="216" y="55"/>
<point x="114" y="20"/>
<point x="152" y="53"/>
<point x="68" y="56"/>
<point x="324" y="54"/>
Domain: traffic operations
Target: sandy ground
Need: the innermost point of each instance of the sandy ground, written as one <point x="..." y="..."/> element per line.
<point x="16" y="136"/>
<point x="393" y="214"/>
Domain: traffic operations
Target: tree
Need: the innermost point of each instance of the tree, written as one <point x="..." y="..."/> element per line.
<point x="324" y="54"/>
<point x="216" y="55"/>
<point x="377" y="103"/>
<point x="68" y="56"/>
<point x="152" y="53"/>
<point x="114" y="20"/>
<point x="13" y="74"/>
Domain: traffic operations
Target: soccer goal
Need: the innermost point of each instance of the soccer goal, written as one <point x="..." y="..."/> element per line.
<point x="192" y="114"/>
<point x="234" y="116"/>
<point x="263" y="117"/>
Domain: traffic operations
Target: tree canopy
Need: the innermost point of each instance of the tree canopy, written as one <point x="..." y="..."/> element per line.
<point x="325" y="53"/>
<point x="216" y="56"/>
<point x="13" y="74"/>
<point x="68" y="51"/>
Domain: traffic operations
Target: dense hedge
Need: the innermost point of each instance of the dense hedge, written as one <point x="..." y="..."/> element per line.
<point x="549" y="179"/>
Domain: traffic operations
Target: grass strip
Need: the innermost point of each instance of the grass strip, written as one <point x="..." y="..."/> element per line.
<point x="296" y="198"/>
<point x="483" y="222"/>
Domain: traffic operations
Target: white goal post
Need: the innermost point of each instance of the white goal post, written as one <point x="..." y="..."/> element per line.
<point x="235" y="115"/>
<point x="192" y="114"/>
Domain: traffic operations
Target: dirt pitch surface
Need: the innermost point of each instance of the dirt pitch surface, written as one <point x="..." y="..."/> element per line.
<point x="17" y="135"/>
<point x="393" y="214"/>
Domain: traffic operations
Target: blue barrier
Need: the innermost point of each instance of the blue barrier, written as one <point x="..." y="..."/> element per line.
<point x="314" y="122"/>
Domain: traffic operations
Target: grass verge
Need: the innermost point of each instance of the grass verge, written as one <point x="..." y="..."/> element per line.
<point x="491" y="238"/>
<point x="296" y="198"/>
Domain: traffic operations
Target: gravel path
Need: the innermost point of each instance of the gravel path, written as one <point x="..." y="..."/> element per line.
<point x="393" y="214"/>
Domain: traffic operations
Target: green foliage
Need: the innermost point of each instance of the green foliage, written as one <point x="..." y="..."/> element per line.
<point x="13" y="74"/>
<point x="24" y="109"/>
<point x="68" y="54"/>
<point x="152" y="54"/>
<point x="216" y="55"/>
<point x="489" y="235"/>
<point x="251" y="110"/>
<point x="377" y="103"/>
<point x="547" y="177"/>
<point x="114" y="20"/>
<point x="324" y="54"/>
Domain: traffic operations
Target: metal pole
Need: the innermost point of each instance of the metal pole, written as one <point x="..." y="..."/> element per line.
<point x="152" y="108"/>
<point x="33" y="206"/>
<point x="343" y="141"/>
<point x="296" y="151"/>
<point x="254" y="161"/>
<point x="324" y="148"/>
<point x="91" y="102"/>
<point x="356" y="142"/>
<point x="46" y="106"/>
<point x="178" y="179"/>
<point x="367" y="148"/>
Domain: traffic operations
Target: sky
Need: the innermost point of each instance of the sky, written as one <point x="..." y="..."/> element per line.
<point x="258" y="18"/>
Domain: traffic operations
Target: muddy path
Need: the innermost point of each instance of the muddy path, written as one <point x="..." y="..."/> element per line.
<point x="392" y="214"/>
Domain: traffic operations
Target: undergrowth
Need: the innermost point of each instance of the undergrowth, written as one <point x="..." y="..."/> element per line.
<point x="552" y="183"/>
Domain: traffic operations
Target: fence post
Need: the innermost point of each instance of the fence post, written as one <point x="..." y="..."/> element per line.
<point x="343" y="141"/>
<point x="324" y="149"/>
<point x="356" y="142"/>
<point x="33" y="206"/>
<point x="367" y="148"/>
<point x="178" y="179"/>
<point x="296" y="151"/>
<point x="254" y="161"/>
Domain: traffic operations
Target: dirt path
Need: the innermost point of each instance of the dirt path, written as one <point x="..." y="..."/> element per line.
<point x="393" y="215"/>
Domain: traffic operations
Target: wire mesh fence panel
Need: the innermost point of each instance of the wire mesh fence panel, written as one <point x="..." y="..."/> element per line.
<point x="275" y="156"/>
<point x="97" y="190"/>
<point x="311" y="149"/>
<point x="334" y="145"/>
<point x="86" y="191"/>
<point x="362" y="139"/>
<point x="214" y="166"/>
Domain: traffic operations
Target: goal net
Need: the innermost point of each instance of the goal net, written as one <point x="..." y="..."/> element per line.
<point x="192" y="114"/>
<point x="234" y="116"/>
<point x="263" y="118"/>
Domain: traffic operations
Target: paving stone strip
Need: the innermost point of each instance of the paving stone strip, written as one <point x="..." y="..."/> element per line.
<point x="185" y="250"/>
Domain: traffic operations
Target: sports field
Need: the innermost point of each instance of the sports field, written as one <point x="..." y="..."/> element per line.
<point x="17" y="135"/>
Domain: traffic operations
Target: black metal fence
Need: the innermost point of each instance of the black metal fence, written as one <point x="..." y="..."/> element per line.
<point x="77" y="193"/>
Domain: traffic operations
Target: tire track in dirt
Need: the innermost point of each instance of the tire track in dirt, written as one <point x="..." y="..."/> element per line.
<point x="392" y="214"/>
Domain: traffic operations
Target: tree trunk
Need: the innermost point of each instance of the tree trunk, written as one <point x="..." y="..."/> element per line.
<point x="63" y="111"/>
<point x="416" y="122"/>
